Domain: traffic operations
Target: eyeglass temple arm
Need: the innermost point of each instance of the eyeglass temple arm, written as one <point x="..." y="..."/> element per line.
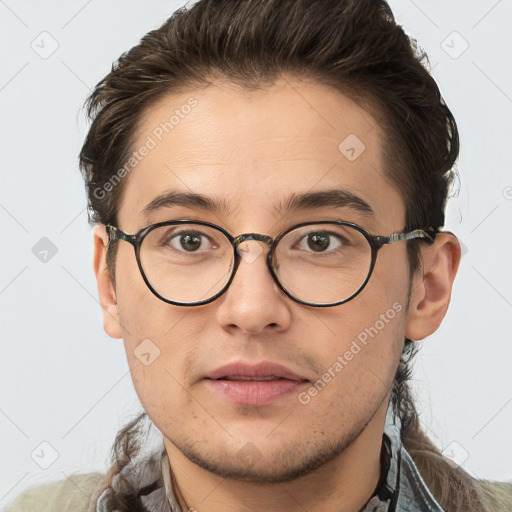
<point x="116" y="234"/>
<point x="427" y="234"/>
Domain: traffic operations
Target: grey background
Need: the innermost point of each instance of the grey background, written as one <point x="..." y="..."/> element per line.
<point x="66" y="383"/>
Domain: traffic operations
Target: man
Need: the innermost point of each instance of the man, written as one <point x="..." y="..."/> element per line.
<point x="268" y="182"/>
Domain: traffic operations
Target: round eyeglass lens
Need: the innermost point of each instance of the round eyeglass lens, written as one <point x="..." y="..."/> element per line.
<point x="186" y="263"/>
<point x="323" y="263"/>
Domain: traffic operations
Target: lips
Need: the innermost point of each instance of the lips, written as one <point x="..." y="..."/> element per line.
<point x="242" y="377"/>
<point x="254" y="385"/>
<point x="261" y="371"/>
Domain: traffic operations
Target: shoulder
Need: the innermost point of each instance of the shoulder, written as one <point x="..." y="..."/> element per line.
<point x="497" y="495"/>
<point x="73" y="494"/>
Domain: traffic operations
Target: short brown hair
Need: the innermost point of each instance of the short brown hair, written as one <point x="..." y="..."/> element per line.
<point x="354" y="46"/>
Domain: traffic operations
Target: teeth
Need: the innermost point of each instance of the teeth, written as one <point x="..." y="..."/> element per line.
<point x="240" y="377"/>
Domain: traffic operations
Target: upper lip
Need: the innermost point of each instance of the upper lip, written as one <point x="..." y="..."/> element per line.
<point x="247" y="370"/>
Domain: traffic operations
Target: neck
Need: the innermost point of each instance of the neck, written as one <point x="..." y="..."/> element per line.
<point x="344" y="484"/>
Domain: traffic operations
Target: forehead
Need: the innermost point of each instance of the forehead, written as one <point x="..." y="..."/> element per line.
<point x="252" y="150"/>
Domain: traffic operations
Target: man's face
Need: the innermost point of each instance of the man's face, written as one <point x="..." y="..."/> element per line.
<point x="249" y="152"/>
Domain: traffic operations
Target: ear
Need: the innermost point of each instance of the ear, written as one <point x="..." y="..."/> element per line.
<point x="432" y="286"/>
<point x="106" y="291"/>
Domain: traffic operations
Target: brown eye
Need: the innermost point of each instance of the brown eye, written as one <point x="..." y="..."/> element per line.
<point x="190" y="242"/>
<point x="318" y="242"/>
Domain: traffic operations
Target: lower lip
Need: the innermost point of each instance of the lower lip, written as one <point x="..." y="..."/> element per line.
<point x="255" y="393"/>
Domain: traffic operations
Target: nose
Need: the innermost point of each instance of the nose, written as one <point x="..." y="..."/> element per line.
<point x="254" y="302"/>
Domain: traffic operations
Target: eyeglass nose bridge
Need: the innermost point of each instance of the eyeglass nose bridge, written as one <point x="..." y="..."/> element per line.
<point x="252" y="255"/>
<point x="252" y="236"/>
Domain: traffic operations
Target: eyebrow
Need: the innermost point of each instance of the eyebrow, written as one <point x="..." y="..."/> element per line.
<point x="334" y="198"/>
<point x="187" y="199"/>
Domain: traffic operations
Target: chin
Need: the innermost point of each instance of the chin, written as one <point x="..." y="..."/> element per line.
<point x="288" y="461"/>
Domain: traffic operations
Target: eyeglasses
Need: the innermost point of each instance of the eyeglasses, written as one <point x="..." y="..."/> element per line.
<point x="321" y="264"/>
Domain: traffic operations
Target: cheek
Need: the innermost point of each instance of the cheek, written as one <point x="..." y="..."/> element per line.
<point x="159" y="367"/>
<point x="358" y="365"/>
<point x="142" y="314"/>
<point x="361" y="341"/>
<point x="390" y="276"/>
<point x="368" y="338"/>
<point x="160" y="342"/>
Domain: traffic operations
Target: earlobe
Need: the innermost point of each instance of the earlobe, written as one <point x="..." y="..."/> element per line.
<point x="432" y="286"/>
<point x="106" y="292"/>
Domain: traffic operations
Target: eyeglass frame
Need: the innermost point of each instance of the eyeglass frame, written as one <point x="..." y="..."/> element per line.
<point x="376" y="243"/>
